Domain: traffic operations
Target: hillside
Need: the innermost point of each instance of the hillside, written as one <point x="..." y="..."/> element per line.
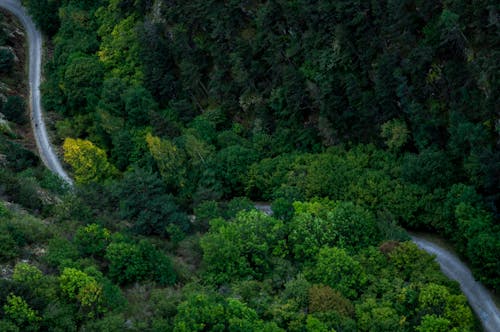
<point x="354" y="119"/>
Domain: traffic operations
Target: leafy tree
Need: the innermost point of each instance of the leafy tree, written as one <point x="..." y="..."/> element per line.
<point x="60" y="252"/>
<point x="119" y="49"/>
<point x="130" y="262"/>
<point x="45" y="14"/>
<point x="319" y="224"/>
<point x="19" y="312"/>
<point x="92" y="240"/>
<point x="373" y="316"/>
<point x="26" y="273"/>
<point x="433" y="323"/>
<point x="244" y="247"/>
<point x="431" y="168"/>
<point x="437" y="300"/>
<point x="232" y="164"/>
<point x="169" y="159"/>
<point x="78" y="286"/>
<point x="144" y="200"/>
<point x="88" y="161"/>
<point x="82" y="82"/>
<point x="337" y="269"/>
<point x="8" y="247"/>
<point x="324" y="298"/>
<point x="139" y="105"/>
<point x="396" y="134"/>
<point x="201" y="312"/>
<point x="14" y="109"/>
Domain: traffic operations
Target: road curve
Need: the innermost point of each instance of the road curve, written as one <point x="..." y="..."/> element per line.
<point x="478" y="296"/>
<point x="49" y="158"/>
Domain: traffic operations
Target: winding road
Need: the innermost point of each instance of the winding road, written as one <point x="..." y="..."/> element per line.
<point x="479" y="298"/>
<point x="45" y="150"/>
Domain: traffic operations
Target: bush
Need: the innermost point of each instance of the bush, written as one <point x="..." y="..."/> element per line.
<point x="130" y="262"/>
<point x="6" y="60"/>
<point x="8" y="247"/>
<point x="14" y="110"/>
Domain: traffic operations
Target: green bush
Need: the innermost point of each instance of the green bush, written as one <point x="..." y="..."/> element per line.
<point x="129" y="262"/>
<point x="6" y="60"/>
<point x="14" y="110"/>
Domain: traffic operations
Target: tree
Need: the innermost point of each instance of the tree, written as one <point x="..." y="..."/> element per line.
<point x="26" y="273"/>
<point x="396" y="134"/>
<point x="92" y="240"/>
<point x="88" y="161"/>
<point x="327" y="223"/>
<point x="324" y="298"/>
<point x="437" y="301"/>
<point x="144" y="200"/>
<point x="18" y="311"/>
<point x="139" y="106"/>
<point x="232" y="164"/>
<point x="44" y="13"/>
<point x="244" y="247"/>
<point x="433" y="323"/>
<point x="14" y="109"/>
<point x="129" y="262"/>
<point x="82" y="83"/>
<point x="201" y="312"/>
<point x="84" y="289"/>
<point x="378" y="317"/>
<point x="169" y="159"/>
<point x="337" y="269"/>
<point x="119" y="49"/>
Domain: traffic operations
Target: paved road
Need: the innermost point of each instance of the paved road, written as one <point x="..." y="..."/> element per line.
<point x="34" y="36"/>
<point x="479" y="298"/>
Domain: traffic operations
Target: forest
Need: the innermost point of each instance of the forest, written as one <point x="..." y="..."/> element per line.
<point x="356" y="120"/>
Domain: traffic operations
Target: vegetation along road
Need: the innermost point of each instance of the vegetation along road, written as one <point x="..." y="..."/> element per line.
<point x="478" y="297"/>
<point x="34" y="36"/>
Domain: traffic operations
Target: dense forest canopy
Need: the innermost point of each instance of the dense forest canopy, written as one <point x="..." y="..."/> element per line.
<point x="353" y="118"/>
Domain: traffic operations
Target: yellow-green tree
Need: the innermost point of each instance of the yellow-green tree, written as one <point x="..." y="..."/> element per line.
<point x="79" y="286"/>
<point x="89" y="163"/>
<point x="169" y="159"/>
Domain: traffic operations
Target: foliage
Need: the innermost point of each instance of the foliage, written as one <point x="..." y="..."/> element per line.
<point x="354" y="117"/>
<point x="129" y="262"/>
<point x="203" y="313"/>
<point x="18" y="311"/>
<point x="78" y="286"/>
<point x="92" y="240"/>
<point x="319" y="224"/>
<point x="337" y="269"/>
<point x="242" y="247"/>
<point x="26" y="273"/>
<point x="14" y="109"/>
<point x="6" y="60"/>
<point x="143" y="199"/>
<point x="89" y="162"/>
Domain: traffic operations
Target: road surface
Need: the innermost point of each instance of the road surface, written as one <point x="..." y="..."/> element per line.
<point x="45" y="150"/>
<point x="479" y="298"/>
